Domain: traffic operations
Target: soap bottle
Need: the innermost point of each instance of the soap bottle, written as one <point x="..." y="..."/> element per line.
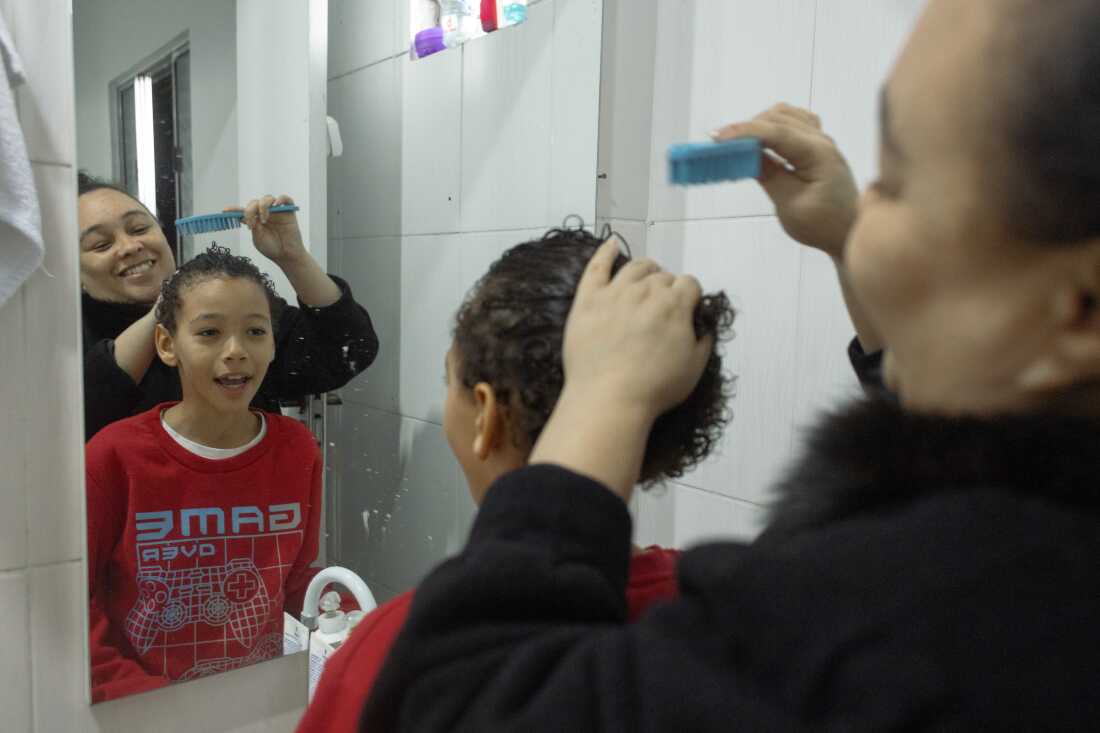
<point x="332" y="625"/>
<point x="512" y="12"/>
<point x="332" y="631"/>
<point x="460" y="21"/>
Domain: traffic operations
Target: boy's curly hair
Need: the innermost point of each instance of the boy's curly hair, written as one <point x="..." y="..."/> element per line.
<point x="215" y="262"/>
<point x="508" y="333"/>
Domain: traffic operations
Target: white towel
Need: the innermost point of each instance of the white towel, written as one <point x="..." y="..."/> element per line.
<point x="21" y="248"/>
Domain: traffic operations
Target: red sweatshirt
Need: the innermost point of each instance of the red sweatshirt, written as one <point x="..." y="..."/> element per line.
<point x="190" y="560"/>
<point x="350" y="673"/>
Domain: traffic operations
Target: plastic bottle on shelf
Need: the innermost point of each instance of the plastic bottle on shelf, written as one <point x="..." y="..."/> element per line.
<point x="512" y="12"/>
<point x="460" y="21"/>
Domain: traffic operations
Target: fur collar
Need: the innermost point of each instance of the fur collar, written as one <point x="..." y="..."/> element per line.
<point x="873" y="454"/>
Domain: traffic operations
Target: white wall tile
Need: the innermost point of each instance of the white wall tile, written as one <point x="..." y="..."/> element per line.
<point x="626" y="108"/>
<point x="46" y="100"/>
<point x="758" y="267"/>
<point x="719" y="61"/>
<point x="360" y="33"/>
<point x="372" y="268"/>
<point x="681" y="516"/>
<point x="823" y="375"/>
<point x="409" y="482"/>
<point x="479" y="250"/>
<point x="575" y="109"/>
<point x="403" y="32"/>
<point x="15" y="672"/>
<point x="635" y="232"/>
<point x="55" y="506"/>
<point x="365" y="461"/>
<point x="14" y="397"/>
<point x="431" y="144"/>
<point x="59" y="609"/>
<point x="364" y="183"/>
<point x="507" y="115"/>
<point x="430" y="295"/>
<point x="855" y="47"/>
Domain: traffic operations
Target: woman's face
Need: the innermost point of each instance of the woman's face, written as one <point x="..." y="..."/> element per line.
<point x="124" y="256"/>
<point x="968" y="311"/>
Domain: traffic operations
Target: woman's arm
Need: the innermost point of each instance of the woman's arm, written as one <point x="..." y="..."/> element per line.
<point x="135" y="348"/>
<point x="278" y="237"/>
<point x="110" y="393"/>
<point x="325" y="343"/>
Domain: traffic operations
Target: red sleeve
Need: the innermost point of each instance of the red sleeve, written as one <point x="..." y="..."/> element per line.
<point x="114" y="672"/>
<point x="652" y="578"/>
<point x="349" y="675"/>
<point x="298" y="579"/>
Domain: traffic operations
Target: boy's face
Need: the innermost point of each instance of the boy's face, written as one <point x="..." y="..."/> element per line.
<point x="223" y="343"/>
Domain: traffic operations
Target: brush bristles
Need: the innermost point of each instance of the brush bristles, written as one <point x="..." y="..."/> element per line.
<point x="713" y="162"/>
<point x="205" y="224"/>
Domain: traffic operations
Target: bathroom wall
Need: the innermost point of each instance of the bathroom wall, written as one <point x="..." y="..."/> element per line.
<point x="42" y="578"/>
<point x="448" y="161"/>
<point x="103" y="54"/>
<point x="673" y="71"/>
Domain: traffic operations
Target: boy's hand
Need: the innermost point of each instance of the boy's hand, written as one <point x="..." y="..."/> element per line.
<point x="818" y="202"/>
<point x="277" y="235"/>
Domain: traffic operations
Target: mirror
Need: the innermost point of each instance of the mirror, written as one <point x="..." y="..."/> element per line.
<point x="209" y="518"/>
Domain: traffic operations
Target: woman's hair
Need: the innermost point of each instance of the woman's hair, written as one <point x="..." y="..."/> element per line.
<point x="215" y="262"/>
<point x="1048" y="82"/>
<point x="508" y="333"/>
<point x="86" y="183"/>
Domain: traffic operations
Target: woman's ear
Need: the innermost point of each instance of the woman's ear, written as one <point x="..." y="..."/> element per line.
<point x="166" y="347"/>
<point x="489" y="423"/>
<point x="1074" y="356"/>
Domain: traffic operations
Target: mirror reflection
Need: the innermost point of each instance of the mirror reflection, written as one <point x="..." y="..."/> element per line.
<point x="205" y="503"/>
<point x="272" y="451"/>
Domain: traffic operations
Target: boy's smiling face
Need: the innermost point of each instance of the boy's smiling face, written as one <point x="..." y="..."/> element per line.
<point x="223" y="343"/>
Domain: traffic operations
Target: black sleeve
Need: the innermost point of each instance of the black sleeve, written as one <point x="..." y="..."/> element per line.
<point x="525" y="631"/>
<point x="320" y="349"/>
<point x="868" y="367"/>
<point x="109" y="392"/>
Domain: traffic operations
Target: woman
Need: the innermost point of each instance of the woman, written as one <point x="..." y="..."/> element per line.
<point x="931" y="563"/>
<point x="124" y="259"/>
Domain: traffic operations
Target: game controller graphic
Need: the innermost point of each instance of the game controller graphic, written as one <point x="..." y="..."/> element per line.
<point x="168" y="600"/>
<point x="268" y="647"/>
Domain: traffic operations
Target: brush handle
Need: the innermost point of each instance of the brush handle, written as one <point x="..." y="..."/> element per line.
<point x="280" y="209"/>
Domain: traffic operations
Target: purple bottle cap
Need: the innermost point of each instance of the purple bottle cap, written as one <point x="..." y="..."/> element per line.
<point x="429" y="41"/>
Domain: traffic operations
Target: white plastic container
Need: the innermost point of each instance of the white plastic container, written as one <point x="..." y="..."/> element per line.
<point x="332" y="631"/>
<point x="460" y="20"/>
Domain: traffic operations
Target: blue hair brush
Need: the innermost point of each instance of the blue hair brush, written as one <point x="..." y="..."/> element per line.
<point x="219" y="222"/>
<point x="732" y="160"/>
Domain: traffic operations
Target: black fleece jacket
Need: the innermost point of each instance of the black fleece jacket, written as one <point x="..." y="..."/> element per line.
<point x="316" y="350"/>
<point x="919" y="573"/>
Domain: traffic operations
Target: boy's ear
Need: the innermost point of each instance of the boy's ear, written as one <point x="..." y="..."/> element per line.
<point x="166" y="348"/>
<point x="490" y="427"/>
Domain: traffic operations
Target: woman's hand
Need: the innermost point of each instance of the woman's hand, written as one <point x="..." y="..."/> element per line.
<point x="631" y="338"/>
<point x="817" y="202"/>
<point x="275" y="235"/>
<point x="630" y="354"/>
